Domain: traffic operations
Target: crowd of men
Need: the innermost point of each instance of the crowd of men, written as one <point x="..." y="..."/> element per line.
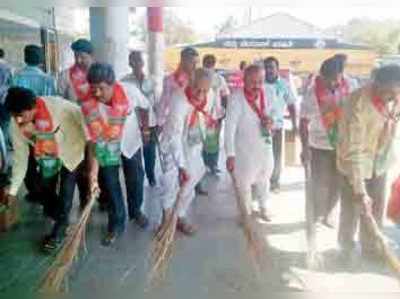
<point x="82" y="130"/>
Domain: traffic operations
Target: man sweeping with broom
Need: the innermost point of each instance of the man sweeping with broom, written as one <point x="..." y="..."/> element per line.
<point x="181" y="144"/>
<point x="368" y="139"/>
<point x="53" y="129"/>
<point x="248" y="140"/>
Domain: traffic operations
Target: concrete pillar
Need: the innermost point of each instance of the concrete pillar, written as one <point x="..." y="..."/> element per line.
<point x="109" y="31"/>
<point x="156" y="45"/>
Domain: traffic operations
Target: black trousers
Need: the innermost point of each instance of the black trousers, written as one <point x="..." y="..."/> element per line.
<point x="58" y="205"/>
<point x="149" y="154"/>
<point x="110" y="184"/>
<point x="37" y="191"/>
<point x="134" y="179"/>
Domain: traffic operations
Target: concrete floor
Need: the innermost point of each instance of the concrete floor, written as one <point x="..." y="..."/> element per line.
<point x="214" y="264"/>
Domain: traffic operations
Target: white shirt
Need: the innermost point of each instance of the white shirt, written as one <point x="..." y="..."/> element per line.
<point x="147" y="88"/>
<point x="220" y="89"/>
<point x="243" y="129"/>
<point x="170" y="86"/>
<point x="131" y="136"/>
<point x="177" y="138"/>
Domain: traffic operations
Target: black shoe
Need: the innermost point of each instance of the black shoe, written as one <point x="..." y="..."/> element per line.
<point x="109" y="239"/>
<point x="275" y="189"/>
<point x="141" y="220"/>
<point x="102" y="207"/>
<point x="31" y="198"/>
<point x="215" y="172"/>
<point x="51" y="243"/>
<point x="200" y="191"/>
<point x="152" y="183"/>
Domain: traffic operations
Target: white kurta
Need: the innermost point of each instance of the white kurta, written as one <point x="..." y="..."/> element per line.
<point x="131" y="137"/>
<point x="147" y="88"/>
<point x="180" y="147"/>
<point x="220" y="89"/>
<point x="253" y="155"/>
<point x="170" y="86"/>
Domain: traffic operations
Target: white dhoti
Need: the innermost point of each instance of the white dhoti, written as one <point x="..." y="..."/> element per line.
<point x="170" y="185"/>
<point x="180" y="147"/>
<point x="253" y="178"/>
<point x="253" y="154"/>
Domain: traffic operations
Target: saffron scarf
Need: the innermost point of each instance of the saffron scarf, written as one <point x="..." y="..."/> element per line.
<point x="330" y="106"/>
<point x="199" y="108"/>
<point x="211" y="142"/>
<point x="45" y="146"/>
<point x="106" y="133"/>
<point x="78" y="78"/>
<point x="181" y="78"/>
<point x="259" y="109"/>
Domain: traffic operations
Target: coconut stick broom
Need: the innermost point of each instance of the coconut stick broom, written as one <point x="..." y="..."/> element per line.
<point x="56" y="275"/>
<point x="163" y="243"/>
<point x="255" y="243"/>
<point x="387" y="253"/>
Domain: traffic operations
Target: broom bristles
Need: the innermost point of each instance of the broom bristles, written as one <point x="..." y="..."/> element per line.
<point x="255" y="243"/>
<point x="55" y="276"/>
<point x="163" y="243"/>
<point x="387" y="253"/>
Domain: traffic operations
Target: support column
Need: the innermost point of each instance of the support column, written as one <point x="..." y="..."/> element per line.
<point x="109" y="31"/>
<point x="156" y="45"/>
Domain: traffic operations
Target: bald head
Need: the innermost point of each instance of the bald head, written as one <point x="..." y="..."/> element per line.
<point x="251" y="69"/>
<point x="254" y="78"/>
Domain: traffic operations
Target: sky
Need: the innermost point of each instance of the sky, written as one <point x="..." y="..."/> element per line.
<point x="206" y="19"/>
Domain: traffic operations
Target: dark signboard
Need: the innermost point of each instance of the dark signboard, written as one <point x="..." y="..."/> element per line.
<point x="279" y="43"/>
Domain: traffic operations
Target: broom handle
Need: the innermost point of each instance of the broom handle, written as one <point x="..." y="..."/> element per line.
<point x="241" y="205"/>
<point x="310" y="210"/>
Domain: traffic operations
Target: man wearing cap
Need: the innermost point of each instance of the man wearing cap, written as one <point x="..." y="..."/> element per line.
<point x="73" y="85"/>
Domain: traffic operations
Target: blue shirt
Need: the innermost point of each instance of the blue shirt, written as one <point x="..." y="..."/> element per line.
<point x="35" y="79"/>
<point x="5" y="82"/>
<point x="5" y="79"/>
<point x="280" y="95"/>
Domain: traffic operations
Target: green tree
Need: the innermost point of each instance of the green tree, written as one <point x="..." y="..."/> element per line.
<point x="176" y="30"/>
<point x="383" y="36"/>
